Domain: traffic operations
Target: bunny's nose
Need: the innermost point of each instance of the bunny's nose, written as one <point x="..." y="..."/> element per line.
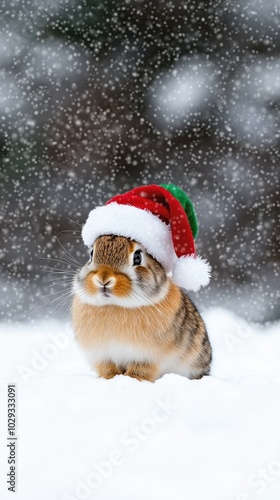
<point x="104" y="283"/>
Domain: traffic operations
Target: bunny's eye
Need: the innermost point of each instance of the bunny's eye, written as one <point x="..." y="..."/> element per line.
<point x="137" y="258"/>
<point x="91" y="254"/>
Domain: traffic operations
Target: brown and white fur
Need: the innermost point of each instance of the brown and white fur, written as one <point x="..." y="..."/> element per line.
<point x="130" y="318"/>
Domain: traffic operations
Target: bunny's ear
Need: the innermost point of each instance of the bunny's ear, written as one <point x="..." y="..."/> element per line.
<point x="191" y="272"/>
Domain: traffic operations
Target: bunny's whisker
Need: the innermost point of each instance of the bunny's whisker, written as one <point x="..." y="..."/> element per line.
<point x="60" y="281"/>
<point x="67" y="253"/>
<point x="57" y="270"/>
<point x="59" y="292"/>
<point x="71" y="220"/>
<point x="61" y="261"/>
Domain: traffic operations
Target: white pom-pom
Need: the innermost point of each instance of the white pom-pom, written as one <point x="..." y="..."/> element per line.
<point x="191" y="272"/>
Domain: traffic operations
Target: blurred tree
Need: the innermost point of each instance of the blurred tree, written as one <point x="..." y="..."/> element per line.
<point x="100" y="96"/>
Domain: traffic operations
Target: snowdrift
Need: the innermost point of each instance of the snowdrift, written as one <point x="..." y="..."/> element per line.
<point x="80" y="437"/>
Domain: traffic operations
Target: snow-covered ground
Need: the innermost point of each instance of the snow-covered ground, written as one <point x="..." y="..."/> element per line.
<point x="80" y="437"/>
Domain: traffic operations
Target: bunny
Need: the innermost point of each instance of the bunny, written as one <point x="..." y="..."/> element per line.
<point x="130" y="318"/>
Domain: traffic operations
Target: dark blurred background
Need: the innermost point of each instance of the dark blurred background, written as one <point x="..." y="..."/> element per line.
<point x="97" y="97"/>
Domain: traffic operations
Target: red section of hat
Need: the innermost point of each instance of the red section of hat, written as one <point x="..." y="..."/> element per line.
<point x="164" y="205"/>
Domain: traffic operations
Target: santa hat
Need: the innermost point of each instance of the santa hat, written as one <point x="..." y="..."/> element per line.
<point x="163" y="220"/>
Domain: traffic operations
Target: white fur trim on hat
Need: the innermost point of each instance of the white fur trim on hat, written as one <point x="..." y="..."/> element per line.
<point x="135" y="223"/>
<point x="191" y="272"/>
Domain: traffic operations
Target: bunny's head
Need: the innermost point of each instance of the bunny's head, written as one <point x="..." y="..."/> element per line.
<point x="163" y="221"/>
<point x="121" y="273"/>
